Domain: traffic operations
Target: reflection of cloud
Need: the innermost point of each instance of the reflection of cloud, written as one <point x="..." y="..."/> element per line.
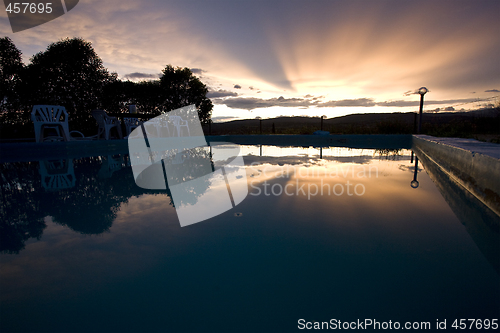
<point x="409" y="168"/>
<point x="305" y="160"/>
<point x="492" y="90"/>
<point x="223" y="118"/>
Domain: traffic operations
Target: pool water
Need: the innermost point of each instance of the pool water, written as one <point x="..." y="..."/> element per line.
<point x="324" y="234"/>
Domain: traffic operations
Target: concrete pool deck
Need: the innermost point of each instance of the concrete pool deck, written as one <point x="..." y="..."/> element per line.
<point x="472" y="164"/>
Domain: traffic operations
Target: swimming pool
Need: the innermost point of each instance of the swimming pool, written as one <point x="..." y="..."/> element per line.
<point x="326" y="234"/>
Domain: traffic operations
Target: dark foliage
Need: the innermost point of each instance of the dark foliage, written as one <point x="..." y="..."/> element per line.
<point x="71" y="74"/>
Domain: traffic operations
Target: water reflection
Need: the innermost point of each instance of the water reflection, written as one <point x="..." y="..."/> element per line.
<point x="481" y="223"/>
<point x="57" y="174"/>
<point x="86" y="194"/>
<point x="384" y="253"/>
<point x="414" y="183"/>
<point x="83" y="194"/>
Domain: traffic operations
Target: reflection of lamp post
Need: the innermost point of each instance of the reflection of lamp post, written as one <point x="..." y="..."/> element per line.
<point x="414" y="182"/>
<point x="422" y="91"/>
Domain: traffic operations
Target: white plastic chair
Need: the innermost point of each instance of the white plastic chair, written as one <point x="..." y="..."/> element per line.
<point x="106" y="124"/>
<point x="178" y="122"/>
<point x="131" y="124"/>
<point x="52" y="117"/>
<point x="160" y="126"/>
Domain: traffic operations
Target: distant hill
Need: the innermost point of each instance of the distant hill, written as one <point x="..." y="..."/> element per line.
<point x="460" y="124"/>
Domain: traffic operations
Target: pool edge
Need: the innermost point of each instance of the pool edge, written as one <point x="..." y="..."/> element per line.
<point x="472" y="164"/>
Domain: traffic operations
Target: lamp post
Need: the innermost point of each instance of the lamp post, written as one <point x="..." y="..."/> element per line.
<point x="323" y="116"/>
<point x="422" y="91"/>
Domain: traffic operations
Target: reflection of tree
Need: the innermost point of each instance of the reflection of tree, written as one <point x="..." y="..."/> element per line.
<point x="89" y="208"/>
<point x="21" y="216"/>
<point x="184" y="172"/>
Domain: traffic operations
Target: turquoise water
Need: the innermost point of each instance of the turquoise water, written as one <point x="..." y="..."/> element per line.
<point x="84" y="249"/>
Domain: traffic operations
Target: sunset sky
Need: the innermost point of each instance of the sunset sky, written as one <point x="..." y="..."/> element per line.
<point x="271" y="58"/>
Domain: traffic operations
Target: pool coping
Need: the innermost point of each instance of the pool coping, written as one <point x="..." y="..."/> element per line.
<point x="472" y="164"/>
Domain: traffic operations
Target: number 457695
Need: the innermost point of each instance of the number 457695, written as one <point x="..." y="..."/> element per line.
<point x="475" y="323"/>
<point x="33" y="8"/>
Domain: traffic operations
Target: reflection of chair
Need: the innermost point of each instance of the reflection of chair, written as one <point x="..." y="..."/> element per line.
<point x="106" y="124"/>
<point x="110" y="165"/>
<point x="57" y="174"/>
<point x="53" y="118"/>
<point x="178" y="123"/>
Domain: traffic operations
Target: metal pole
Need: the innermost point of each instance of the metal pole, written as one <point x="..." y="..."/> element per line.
<point x="260" y="124"/>
<point x="420" y="113"/>
<point x="321" y="122"/>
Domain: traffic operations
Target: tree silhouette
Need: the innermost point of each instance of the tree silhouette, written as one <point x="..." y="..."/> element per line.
<point x="11" y="71"/>
<point x="181" y="88"/>
<point x="11" y="67"/>
<point x="71" y="74"/>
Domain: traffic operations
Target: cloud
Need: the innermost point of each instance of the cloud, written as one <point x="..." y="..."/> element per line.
<point x="141" y="76"/>
<point x="349" y="102"/>
<point x="250" y="103"/>
<point x="221" y="93"/>
<point x="401" y="103"/>
<point x="410" y="92"/>
<point x="198" y="71"/>
<point x="237" y="86"/>
<point x="492" y="90"/>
